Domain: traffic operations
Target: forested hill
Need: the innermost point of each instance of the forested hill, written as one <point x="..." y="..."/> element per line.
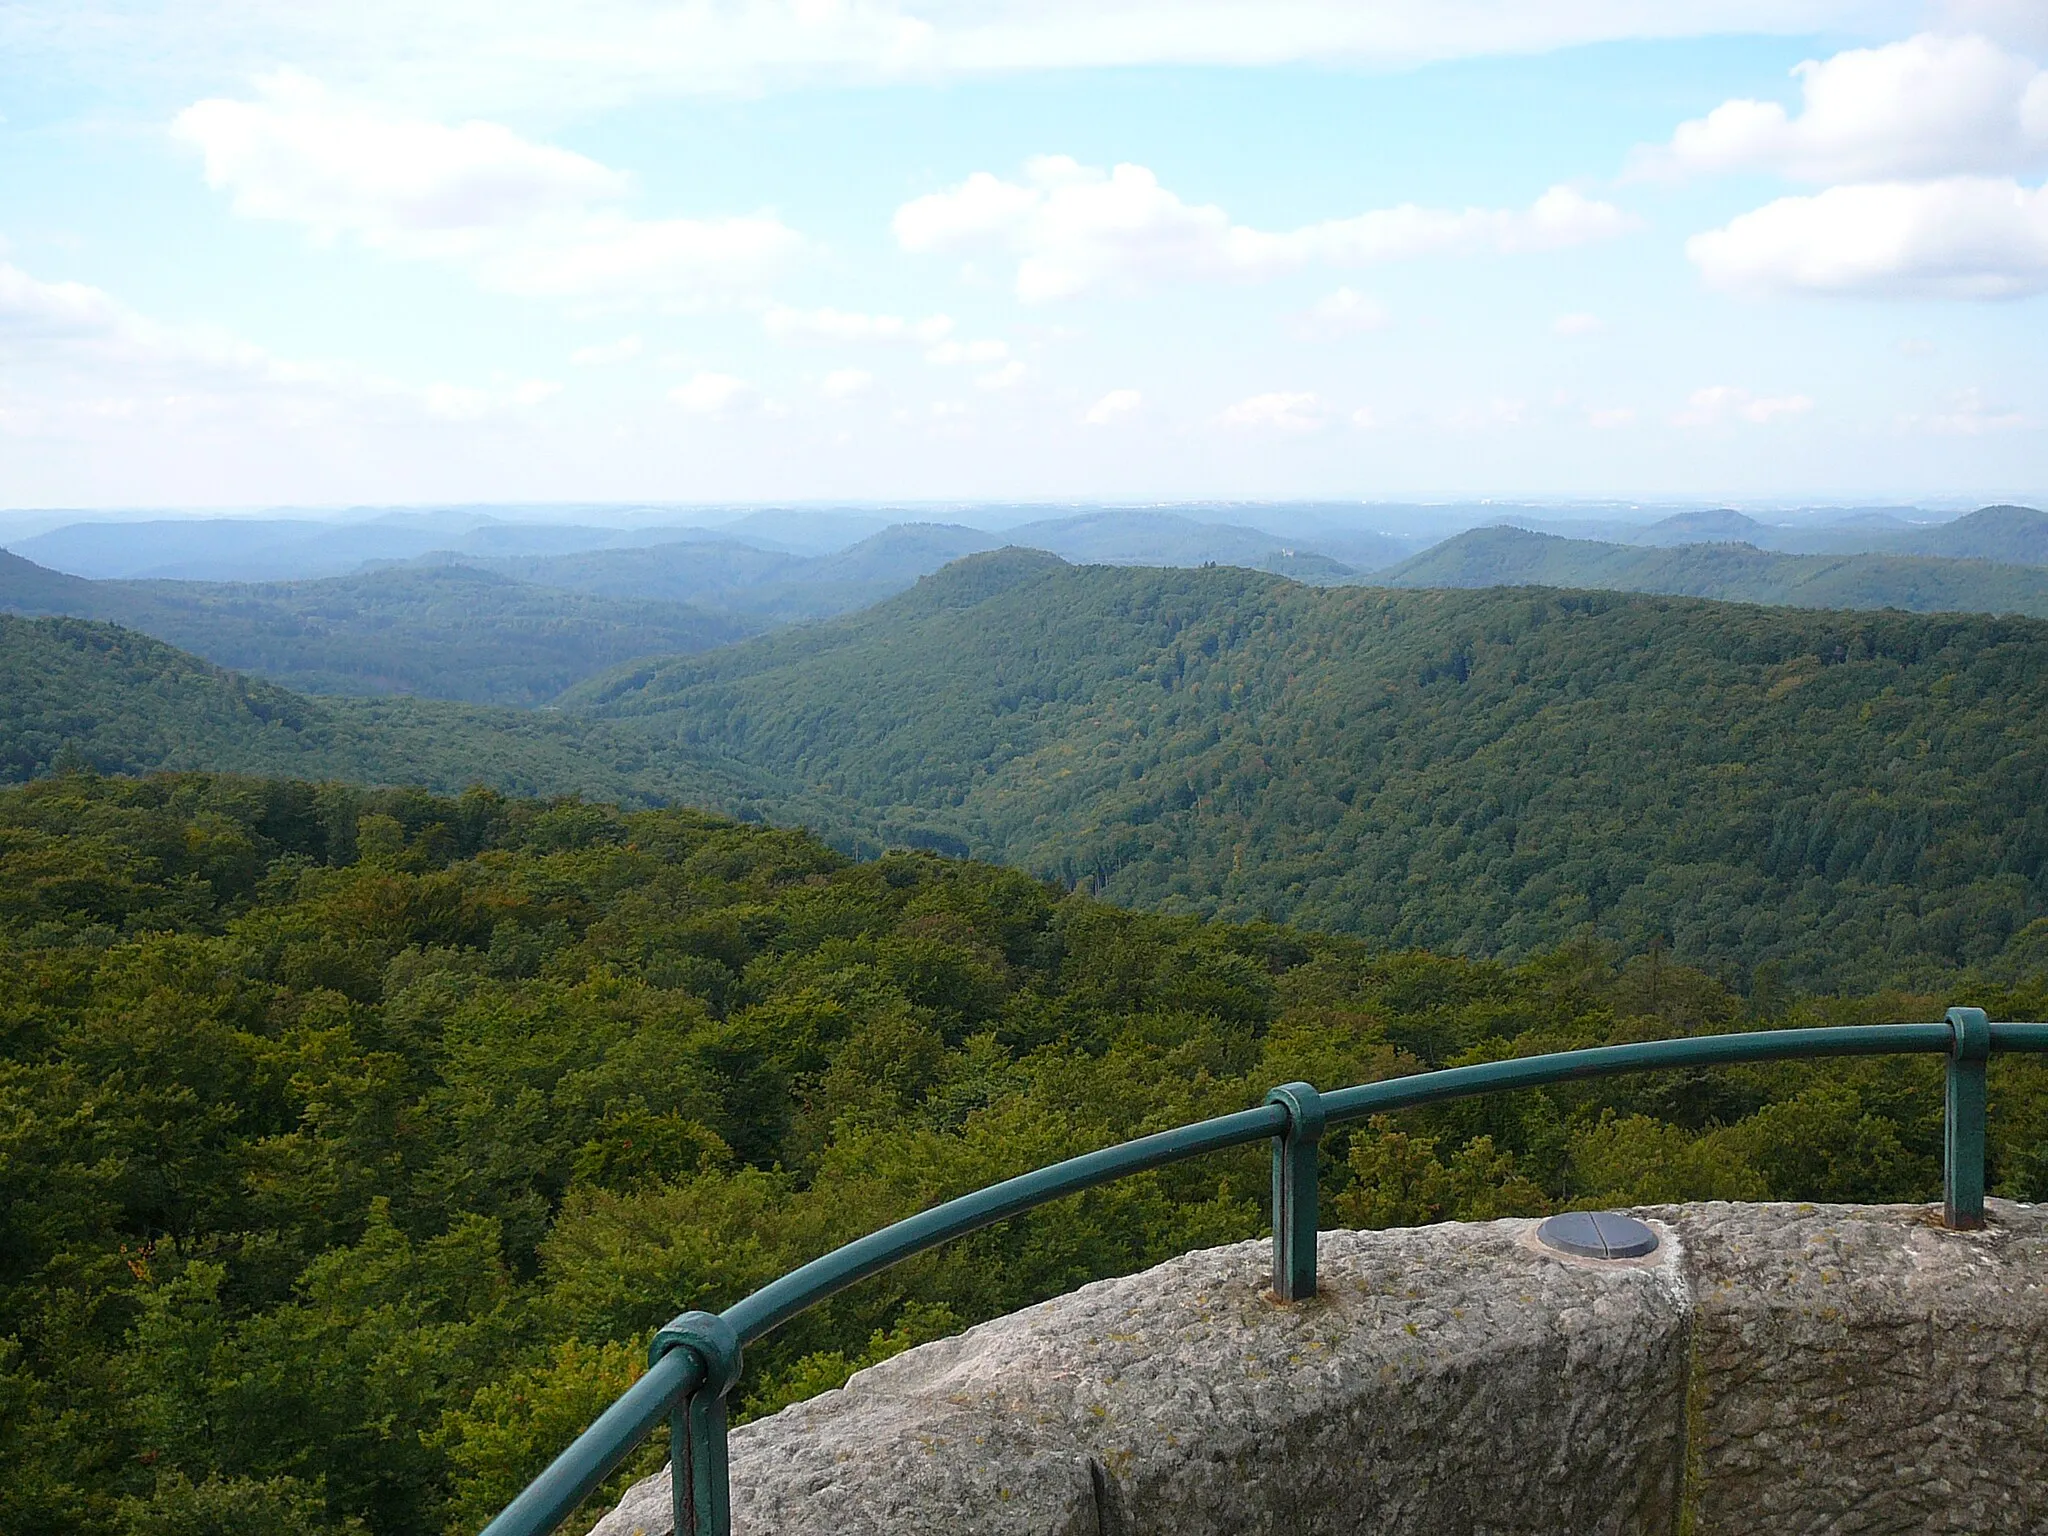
<point x="440" y="631"/>
<point x="352" y="1145"/>
<point x="1853" y="796"/>
<point x="76" y="693"/>
<point x="1735" y="572"/>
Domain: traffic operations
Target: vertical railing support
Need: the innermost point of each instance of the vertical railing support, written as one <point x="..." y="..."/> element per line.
<point x="1962" y="1182"/>
<point x="697" y="1473"/>
<point x="1294" y="1191"/>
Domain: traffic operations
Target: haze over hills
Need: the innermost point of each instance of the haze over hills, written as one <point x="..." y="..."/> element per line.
<point x="517" y="628"/>
<point x="784" y="588"/>
<point x="1139" y="536"/>
<point x="443" y="631"/>
<point x="1485" y="772"/>
<point x="2014" y="535"/>
<point x="287" y="549"/>
<point x="1736" y="572"/>
<point x="765" y="585"/>
<point x="2005" y="534"/>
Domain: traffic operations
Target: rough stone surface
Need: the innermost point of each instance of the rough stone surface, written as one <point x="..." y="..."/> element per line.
<point x="1860" y="1369"/>
<point x="1770" y="1368"/>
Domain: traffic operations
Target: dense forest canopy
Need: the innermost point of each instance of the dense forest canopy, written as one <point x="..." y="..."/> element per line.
<point x="1853" y="797"/>
<point x="352" y="1143"/>
<point x="97" y="695"/>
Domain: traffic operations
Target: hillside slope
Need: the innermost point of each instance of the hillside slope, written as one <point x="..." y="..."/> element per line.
<point x="95" y="695"/>
<point x="1487" y="772"/>
<point x="1733" y="572"/>
<point x="2007" y="534"/>
<point x="443" y="631"/>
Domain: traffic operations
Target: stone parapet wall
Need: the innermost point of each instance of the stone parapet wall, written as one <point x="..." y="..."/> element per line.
<point x="1771" y="1368"/>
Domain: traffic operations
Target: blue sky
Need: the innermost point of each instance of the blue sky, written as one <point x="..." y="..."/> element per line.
<point x="319" y="254"/>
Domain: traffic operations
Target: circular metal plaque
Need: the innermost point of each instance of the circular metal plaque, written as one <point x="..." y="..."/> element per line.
<point x="1597" y="1235"/>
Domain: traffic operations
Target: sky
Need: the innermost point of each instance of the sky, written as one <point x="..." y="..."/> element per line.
<point x="296" y="252"/>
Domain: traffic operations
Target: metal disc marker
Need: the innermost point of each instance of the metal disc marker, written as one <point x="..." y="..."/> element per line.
<point x="1597" y="1235"/>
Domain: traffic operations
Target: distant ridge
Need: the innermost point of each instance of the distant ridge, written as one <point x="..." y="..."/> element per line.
<point x="1137" y="536"/>
<point x="764" y="586"/>
<point x="1499" y="557"/>
<point x="442" y="631"/>
<point x="1720" y="526"/>
<point x="2015" y="535"/>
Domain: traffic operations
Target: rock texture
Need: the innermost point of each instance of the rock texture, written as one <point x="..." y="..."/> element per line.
<point x="1859" y="1369"/>
<point x="1770" y="1368"/>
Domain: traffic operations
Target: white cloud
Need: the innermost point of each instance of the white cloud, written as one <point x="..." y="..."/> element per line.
<point x="1279" y="412"/>
<point x="1578" y="324"/>
<point x="530" y="54"/>
<point x="1968" y="414"/>
<point x="75" y="351"/>
<point x="1000" y="378"/>
<point x="1964" y="237"/>
<point x="713" y="394"/>
<point x="848" y="326"/>
<point x="845" y="383"/>
<point x="1928" y="106"/>
<point x="299" y="154"/>
<point x="458" y="402"/>
<point x="1366" y="419"/>
<point x="1719" y="403"/>
<point x="1497" y="412"/>
<point x="1073" y="227"/>
<point x="523" y="218"/>
<point x="1610" y="419"/>
<point x="973" y="353"/>
<point x="612" y="257"/>
<point x="625" y="349"/>
<point x="1344" y="313"/>
<point x="1114" y="406"/>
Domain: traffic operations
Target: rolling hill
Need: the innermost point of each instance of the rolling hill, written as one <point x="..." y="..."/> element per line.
<point x="764" y="586"/>
<point x="1142" y="536"/>
<point x="774" y="587"/>
<point x="2014" y="535"/>
<point x="75" y="692"/>
<point x="303" y="548"/>
<point x="441" y="632"/>
<point x="1718" y="525"/>
<point x="1485" y="772"/>
<point x="1735" y="572"/>
<point x="1855" y="799"/>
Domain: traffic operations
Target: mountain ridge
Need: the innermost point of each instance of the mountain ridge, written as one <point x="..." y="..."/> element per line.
<point x="442" y="631"/>
<point x="1729" y="572"/>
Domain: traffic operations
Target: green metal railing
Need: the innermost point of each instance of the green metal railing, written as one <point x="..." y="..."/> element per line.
<point x="695" y="1360"/>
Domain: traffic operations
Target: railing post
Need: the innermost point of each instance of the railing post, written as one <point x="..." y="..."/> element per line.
<point x="698" y="1484"/>
<point x="1962" y="1184"/>
<point x="1294" y="1191"/>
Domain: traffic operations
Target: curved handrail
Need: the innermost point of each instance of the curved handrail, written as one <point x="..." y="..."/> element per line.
<point x="697" y="1356"/>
